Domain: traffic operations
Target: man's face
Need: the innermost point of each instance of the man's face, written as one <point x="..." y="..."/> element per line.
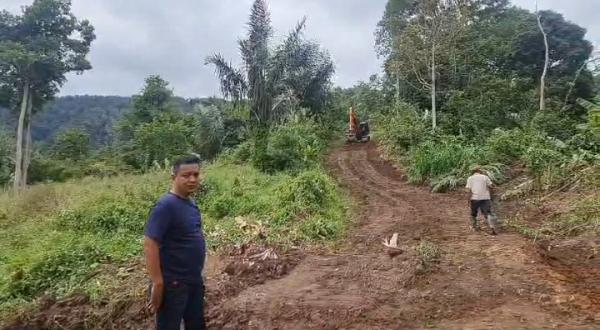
<point x="187" y="178"/>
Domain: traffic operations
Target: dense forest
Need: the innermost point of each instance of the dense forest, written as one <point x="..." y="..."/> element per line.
<point x="97" y="115"/>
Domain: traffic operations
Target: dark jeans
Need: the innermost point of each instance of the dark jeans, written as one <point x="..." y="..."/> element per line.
<point x="181" y="302"/>
<point x="485" y="206"/>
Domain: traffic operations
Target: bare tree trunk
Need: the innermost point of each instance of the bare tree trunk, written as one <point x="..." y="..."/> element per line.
<point x="546" y="62"/>
<point x="397" y="89"/>
<point x="19" y="153"/>
<point x="28" y="144"/>
<point x="577" y="75"/>
<point x="433" y="101"/>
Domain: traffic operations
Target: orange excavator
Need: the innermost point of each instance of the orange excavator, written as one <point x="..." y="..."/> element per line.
<point x="357" y="131"/>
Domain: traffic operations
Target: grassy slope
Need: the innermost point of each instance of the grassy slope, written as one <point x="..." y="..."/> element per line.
<point x="58" y="236"/>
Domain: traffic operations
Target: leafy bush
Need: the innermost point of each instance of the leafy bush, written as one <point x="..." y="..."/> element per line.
<point x="105" y="167"/>
<point x="585" y="140"/>
<point x="44" y="168"/>
<point x="217" y="129"/>
<point x="309" y="192"/>
<point x="436" y="158"/>
<point x="242" y="204"/>
<point x="487" y="103"/>
<point x="233" y="190"/>
<point x="57" y="270"/>
<point x="107" y="217"/>
<point x="71" y="144"/>
<point x="161" y="140"/>
<point x="554" y="124"/>
<point x="293" y="147"/>
<point x="539" y="158"/>
<point x="506" y="146"/>
<point x="401" y="129"/>
<point x="429" y="253"/>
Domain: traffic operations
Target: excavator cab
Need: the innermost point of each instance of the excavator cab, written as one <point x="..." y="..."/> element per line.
<point x="357" y="131"/>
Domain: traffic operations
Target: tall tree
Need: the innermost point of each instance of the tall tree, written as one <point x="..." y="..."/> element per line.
<point x="483" y="43"/>
<point x="568" y="50"/>
<point x="296" y="69"/>
<point x="72" y="144"/>
<point x="546" y="60"/>
<point x="152" y="110"/>
<point x="296" y="72"/>
<point x="154" y="100"/>
<point x="37" y="49"/>
<point x="425" y="39"/>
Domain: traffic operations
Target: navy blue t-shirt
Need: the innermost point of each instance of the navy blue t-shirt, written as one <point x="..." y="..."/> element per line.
<point x="176" y="224"/>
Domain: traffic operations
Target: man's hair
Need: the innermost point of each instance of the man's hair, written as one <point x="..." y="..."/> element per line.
<point x="476" y="169"/>
<point x="185" y="160"/>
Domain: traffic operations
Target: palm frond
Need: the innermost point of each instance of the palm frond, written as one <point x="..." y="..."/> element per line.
<point x="285" y="52"/>
<point x="233" y="82"/>
<point x="259" y="33"/>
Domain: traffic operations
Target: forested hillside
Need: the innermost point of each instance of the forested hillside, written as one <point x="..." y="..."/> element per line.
<point x="97" y="115"/>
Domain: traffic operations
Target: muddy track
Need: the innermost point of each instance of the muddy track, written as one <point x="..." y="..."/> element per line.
<point x="480" y="281"/>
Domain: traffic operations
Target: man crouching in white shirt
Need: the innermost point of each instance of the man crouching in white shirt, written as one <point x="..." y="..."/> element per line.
<point x="479" y="185"/>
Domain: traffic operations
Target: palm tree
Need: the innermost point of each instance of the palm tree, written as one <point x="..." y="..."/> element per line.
<point x="295" y="74"/>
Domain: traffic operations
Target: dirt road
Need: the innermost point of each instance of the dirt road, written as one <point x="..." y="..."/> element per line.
<point x="469" y="280"/>
<point x="478" y="282"/>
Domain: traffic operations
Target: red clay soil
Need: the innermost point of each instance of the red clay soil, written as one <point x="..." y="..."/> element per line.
<point x="478" y="282"/>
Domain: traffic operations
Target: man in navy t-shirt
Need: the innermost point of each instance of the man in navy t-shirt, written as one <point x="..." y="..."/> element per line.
<point x="175" y="251"/>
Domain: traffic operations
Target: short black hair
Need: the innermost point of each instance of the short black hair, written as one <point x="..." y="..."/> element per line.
<point x="185" y="160"/>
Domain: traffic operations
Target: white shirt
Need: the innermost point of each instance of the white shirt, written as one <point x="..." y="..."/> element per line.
<point x="479" y="184"/>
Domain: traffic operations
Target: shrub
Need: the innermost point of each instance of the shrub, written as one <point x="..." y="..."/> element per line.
<point x="47" y="169"/>
<point x="542" y="156"/>
<point x="57" y="270"/>
<point x="107" y="217"/>
<point x="506" y="146"/>
<point x="432" y="159"/>
<point x="6" y="154"/>
<point x="161" y="140"/>
<point x="72" y="144"/>
<point x="429" y="253"/>
<point x="486" y="103"/>
<point x="585" y="140"/>
<point x="401" y="129"/>
<point x="293" y="147"/>
<point x="555" y="124"/>
<point x="242" y="204"/>
<point x="307" y="193"/>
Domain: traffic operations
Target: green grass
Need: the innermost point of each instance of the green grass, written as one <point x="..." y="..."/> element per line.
<point x="429" y="253"/>
<point x="57" y="237"/>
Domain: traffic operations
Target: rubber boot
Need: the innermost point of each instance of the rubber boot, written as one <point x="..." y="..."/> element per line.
<point x="492" y="223"/>
<point x="474" y="224"/>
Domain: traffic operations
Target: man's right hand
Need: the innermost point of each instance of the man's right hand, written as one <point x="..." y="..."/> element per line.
<point x="156" y="297"/>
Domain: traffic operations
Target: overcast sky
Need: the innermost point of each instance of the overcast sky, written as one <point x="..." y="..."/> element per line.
<point x="137" y="38"/>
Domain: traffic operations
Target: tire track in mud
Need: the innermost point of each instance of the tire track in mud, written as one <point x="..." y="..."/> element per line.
<point x="480" y="282"/>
